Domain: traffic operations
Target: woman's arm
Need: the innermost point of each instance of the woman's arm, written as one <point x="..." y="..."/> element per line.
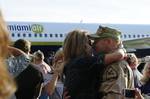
<point x="115" y="56"/>
<point x="50" y="87"/>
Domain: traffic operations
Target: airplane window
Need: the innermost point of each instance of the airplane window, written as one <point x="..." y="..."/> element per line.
<point x="147" y="35"/>
<point x="13" y="35"/>
<point x="40" y="35"/>
<point x="24" y="35"/>
<point x="138" y="35"/>
<point x="45" y="35"/>
<point x="18" y="35"/>
<point x="129" y="36"/>
<point x="56" y="35"/>
<point x="143" y="35"/>
<point x="134" y="36"/>
<point x="125" y="35"/>
<point x="51" y="35"/>
<point x="29" y="35"/>
<point x="35" y="35"/>
<point x="61" y="35"/>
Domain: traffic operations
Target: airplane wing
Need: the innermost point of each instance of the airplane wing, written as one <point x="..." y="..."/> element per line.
<point x="137" y="43"/>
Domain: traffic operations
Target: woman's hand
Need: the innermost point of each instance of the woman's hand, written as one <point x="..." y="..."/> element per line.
<point x="65" y="94"/>
<point x="138" y="94"/>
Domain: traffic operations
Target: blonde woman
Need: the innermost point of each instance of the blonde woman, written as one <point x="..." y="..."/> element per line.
<point x="54" y="88"/>
<point x="145" y="88"/>
<point x="7" y="85"/>
<point x="134" y="63"/>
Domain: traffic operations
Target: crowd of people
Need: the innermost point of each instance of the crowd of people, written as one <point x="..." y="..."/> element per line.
<point x="88" y="66"/>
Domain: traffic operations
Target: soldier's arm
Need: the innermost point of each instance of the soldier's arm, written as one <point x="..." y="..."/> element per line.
<point x="115" y="56"/>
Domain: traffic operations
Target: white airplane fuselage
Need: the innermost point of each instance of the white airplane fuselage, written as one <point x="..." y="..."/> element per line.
<point x="56" y="32"/>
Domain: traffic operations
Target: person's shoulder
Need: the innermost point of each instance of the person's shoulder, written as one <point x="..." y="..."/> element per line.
<point x="74" y="64"/>
<point x="32" y="69"/>
<point x="45" y="64"/>
<point x="23" y="56"/>
<point x="117" y="65"/>
<point x="120" y="62"/>
<point x="83" y="61"/>
<point x="123" y="63"/>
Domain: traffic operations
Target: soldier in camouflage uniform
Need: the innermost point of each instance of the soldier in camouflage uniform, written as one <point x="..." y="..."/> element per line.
<point x="116" y="76"/>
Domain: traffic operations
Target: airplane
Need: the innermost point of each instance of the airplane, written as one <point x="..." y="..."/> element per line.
<point x="134" y="36"/>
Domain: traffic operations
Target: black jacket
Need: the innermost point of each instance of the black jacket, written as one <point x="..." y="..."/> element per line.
<point x="82" y="77"/>
<point x="29" y="82"/>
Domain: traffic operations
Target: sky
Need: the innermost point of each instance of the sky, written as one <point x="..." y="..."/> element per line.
<point x="85" y="11"/>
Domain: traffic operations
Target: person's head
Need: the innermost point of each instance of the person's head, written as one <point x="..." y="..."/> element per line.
<point x="76" y="44"/>
<point x="106" y="39"/>
<point x="58" y="58"/>
<point x="38" y="56"/>
<point x="7" y="86"/>
<point x="23" y="45"/>
<point x="146" y="70"/>
<point x="59" y="55"/>
<point x="132" y="60"/>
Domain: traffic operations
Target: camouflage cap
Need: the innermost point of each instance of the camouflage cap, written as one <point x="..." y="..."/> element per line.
<point x="106" y="32"/>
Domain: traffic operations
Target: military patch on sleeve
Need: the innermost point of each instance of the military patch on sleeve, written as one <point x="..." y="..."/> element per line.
<point x="111" y="73"/>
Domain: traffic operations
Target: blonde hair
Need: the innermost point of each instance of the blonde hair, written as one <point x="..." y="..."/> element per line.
<point x="75" y="44"/>
<point x="59" y="58"/>
<point x="7" y="85"/>
<point x="39" y="55"/>
<point x="59" y="55"/>
<point x="145" y="77"/>
<point x="4" y="38"/>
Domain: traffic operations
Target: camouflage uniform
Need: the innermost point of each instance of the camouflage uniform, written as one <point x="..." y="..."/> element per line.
<point x="116" y="76"/>
<point x="17" y="64"/>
